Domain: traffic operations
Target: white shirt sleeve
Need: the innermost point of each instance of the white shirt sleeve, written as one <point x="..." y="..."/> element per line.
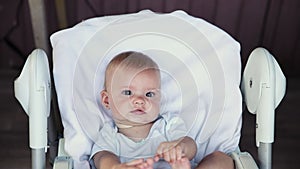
<point x="106" y="141"/>
<point x="175" y="129"/>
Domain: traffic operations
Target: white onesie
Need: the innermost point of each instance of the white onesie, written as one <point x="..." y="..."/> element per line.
<point x="127" y="150"/>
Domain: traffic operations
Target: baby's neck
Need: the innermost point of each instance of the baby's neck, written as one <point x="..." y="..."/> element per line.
<point x="136" y="133"/>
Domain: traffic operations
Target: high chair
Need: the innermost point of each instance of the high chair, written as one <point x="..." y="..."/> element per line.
<point x="201" y="72"/>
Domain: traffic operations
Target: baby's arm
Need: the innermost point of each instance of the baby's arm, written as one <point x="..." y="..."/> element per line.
<point x="175" y="150"/>
<point x="108" y="160"/>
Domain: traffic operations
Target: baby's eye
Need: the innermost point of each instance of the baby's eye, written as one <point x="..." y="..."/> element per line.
<point x="127" y="92"/>
<point x="150" y="94"/>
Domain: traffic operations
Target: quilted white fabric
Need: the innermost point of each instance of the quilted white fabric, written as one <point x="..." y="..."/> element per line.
<point x="200" y="67"/>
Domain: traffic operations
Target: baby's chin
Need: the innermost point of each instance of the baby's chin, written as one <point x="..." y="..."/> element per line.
<point x="140" y="118"/>
<point x="137" y="119"/>
<point x="145" y="121"/>
<point x="133" y="123"/>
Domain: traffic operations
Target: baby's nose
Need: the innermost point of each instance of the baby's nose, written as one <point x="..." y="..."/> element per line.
<point x="139" y="101"/>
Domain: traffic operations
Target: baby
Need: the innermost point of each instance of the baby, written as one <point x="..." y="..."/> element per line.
<point x="139" y="137"/>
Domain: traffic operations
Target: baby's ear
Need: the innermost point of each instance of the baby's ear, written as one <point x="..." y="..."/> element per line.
<point x="104" y="99"/>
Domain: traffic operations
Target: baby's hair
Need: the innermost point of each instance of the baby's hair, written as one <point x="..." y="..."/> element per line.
<point x="129" y="59"/>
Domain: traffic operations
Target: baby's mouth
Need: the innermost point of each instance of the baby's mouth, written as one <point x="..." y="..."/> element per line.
<point x="138" y="112"/>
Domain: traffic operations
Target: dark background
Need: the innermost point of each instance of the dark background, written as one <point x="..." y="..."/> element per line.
<point x="273" y="24"/>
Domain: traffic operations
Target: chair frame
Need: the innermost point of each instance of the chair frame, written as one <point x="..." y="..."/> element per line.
<point x="41" y="100"/>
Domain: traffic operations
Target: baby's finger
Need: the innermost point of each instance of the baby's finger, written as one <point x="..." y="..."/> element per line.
<point x="166" y="156"/>
<point x="150" y="161"/>
<point x="135" y="162"/>
<point x="142" y="166"/>
<point x="160" y="148"/>
<point x="156" y="158"/>
<point x="133" y="167"/>
<point x="179" y="153"/>
<point x="173" y="154"/>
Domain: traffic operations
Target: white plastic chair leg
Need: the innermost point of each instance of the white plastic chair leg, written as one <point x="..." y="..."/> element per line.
<point x="243" y="160"/>
<point x="265" y="155"/>
<point x="38" y="158"/>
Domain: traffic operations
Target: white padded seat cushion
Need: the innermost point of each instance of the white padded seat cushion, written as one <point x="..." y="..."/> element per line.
<point x="200" y="66"/>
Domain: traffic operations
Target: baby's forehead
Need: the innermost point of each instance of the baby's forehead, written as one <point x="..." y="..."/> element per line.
<point x="147" y="76"/>
<point x="128" y="75"/>
<point x="129" y="70"/>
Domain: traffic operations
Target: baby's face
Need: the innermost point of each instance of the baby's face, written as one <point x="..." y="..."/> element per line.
<point x="134" y="96"/>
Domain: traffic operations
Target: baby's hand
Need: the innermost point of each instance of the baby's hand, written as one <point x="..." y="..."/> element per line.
<point x="147" y="164"/>
<point x="134" y="164"/>
<point x="138" y="164"/>
<point x="170" y="151"/>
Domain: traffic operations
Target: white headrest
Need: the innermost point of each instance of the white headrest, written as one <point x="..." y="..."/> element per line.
<point x="199" y="80"/>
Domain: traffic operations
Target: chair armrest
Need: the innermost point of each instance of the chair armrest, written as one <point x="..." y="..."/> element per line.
<point x="243" y="160"/>
<point x="63" y="160"/>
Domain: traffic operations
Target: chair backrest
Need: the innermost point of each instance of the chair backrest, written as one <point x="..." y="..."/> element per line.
<point x="200" y="66"/>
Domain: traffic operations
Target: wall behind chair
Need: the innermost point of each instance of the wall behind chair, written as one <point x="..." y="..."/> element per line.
<point x="274" y="24"/>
